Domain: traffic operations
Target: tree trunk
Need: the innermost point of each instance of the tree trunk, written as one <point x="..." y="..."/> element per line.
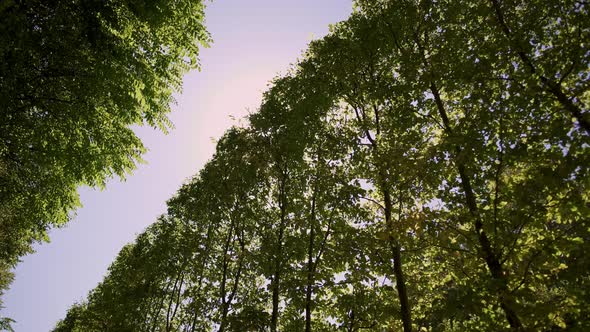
<point x="227" y="302"/>
<point x="393" y="242"/>
<point x="276" y="284"/>
<point x="492" y="261"/>
<point x="161" y="305"/>
<point x="276" y="280"/>
<point x="170" y="313"/>
<point x="400" y="281"/>
<point x="310" y="267"/>
<point x="222" y="286"/>
<point x="196" y="296"/>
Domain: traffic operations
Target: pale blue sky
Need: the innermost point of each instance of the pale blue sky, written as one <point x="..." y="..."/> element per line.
<point x="254" y="40"/>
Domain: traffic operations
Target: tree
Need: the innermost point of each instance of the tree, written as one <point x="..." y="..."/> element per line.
<point x="74" y="76"/>
<point x="417" y="169"/>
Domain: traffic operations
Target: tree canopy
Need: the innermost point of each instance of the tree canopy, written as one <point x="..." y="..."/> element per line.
<point x="424" y="167"/>
<point x="74" y="77"/>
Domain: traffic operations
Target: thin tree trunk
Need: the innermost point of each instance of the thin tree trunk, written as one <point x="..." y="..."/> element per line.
<point x="175" y="294"/>
<point x="276" y="284"/>
<point x="310" y="265"/>
<point x="194" y="320"/>
<point x="351" y="325"/>
<point x="201" y="277"/>
<point x="161" y="305"/>
<point x="227" y="301"/>
<point x="147" y="307"/>
<point x="494" y="265"/>
<point x="393" y="242"/>
<point x="276" y="280"/>
<point x="400" y="281"/>
<point x="222" y="287"/>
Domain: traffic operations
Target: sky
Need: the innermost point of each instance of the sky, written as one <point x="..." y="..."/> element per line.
<point x="254" y="41"/>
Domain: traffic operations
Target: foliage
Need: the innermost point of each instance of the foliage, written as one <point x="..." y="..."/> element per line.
<point x="424" y="167"/>
<point x="74" y="77"/>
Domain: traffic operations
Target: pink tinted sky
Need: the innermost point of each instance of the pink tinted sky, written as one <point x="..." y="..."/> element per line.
<point x="254" y="41"/>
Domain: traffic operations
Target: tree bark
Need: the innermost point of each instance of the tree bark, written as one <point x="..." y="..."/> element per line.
<point x="223" y="283"/>
<point x="161" y="305"/>
<point x="400" y="281"/>
<point x="276" y="284"/>
<point x="310" y="267"/>
<point x="276" y="280"/>
<point x="227" y="302"/>
<point x="491" y="258"/>
<point x="171" y="313"/>
<point x="200" y="273"/>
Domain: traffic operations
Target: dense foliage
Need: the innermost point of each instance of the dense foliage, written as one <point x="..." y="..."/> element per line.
<point x="74" y="76"/>
<point x="424" y="167"/>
